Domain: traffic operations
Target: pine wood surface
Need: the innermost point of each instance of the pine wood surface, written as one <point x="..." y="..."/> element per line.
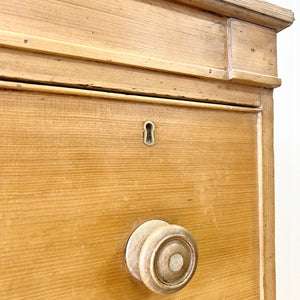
<point x="264" y="7"/>
<point x="162" y="36"/>
<point x="78" y="79"/>
<point x="252" y="48"/>
<point x="255" y="11"/>
<point x="267" y="196"/>
<point x="54" y="70"/>
<point x="158" y="29"/>
<point x="77" y="179"/>
<point x="245" y="77"/>
<point x="81" y="52"/>
<point x="8" y="85"/>
<point x="35" y="44"/>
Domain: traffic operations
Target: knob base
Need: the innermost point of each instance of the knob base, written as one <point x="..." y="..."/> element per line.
<point x="135" y="244"/>
<point x="162" y="256"/>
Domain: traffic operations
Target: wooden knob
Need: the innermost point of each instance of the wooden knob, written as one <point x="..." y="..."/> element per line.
<point x="161" y="255"/>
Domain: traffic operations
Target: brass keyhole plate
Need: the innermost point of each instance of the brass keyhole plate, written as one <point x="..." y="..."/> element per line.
<point x="149" y="138"/>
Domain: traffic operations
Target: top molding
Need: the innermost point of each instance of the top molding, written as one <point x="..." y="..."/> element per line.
<point x="256" y="11"/>
<point x="152" y="38"/>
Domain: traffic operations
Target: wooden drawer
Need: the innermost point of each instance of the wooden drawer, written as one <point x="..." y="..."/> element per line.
<point x="78" y="81"/>
<point x="77" y="178"/>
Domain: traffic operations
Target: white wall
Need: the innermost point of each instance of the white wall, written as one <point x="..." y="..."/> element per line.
<point x="287" y="159"/>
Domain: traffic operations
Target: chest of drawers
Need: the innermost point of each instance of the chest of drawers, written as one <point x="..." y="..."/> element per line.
<point x="81" y="82"/>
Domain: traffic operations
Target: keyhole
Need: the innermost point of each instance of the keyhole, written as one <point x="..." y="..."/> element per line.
<point x="149" y="127"/>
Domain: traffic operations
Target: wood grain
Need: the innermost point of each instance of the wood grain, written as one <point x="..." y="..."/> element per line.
<point x="268" y="281"/>
<point x="65" y="50"/>
<point x="250" y="78"/>
<point x="78" y="81"/>
<point x="57" y="70"/>
<point x="77" y="179"/>
<point x="120" y="97"/>
<point x="161" y="36"/>
<point x="252" y="48"/>
<point x="43" y="45"/>
<point x="264" y="8"/>
<point x="154" y="29"/>
<point x="255" y="11"/>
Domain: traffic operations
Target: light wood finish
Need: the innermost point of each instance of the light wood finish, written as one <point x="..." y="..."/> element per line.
<point x="163" y="30"/>
<point x="255" y="11"/>
<point x="267" y="197"/>
<point x="163" y="256"/>
<point x="80" y="81"/>
<point x="246" y="77"/>
<point x="202" y="51"/>
<point x="43" y="45"/>
<point x="54" y="70"/>
<point x="252" y="48"/>
<point x="135" y="243"/>
<point x="119" y="97"/>
<point x="80" y="52"/>
<point x="77" y="179"/>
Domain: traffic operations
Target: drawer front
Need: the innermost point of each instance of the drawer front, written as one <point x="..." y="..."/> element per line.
<point x="77" y="179"/>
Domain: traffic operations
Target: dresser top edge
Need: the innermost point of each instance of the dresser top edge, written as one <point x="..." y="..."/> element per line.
<point x="256" y="11"/>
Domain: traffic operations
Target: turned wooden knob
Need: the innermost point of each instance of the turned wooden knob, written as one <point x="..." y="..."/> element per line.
<point x="161" y="255"/>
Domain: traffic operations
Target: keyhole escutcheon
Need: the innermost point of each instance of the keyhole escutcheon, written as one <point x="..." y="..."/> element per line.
<point x="149" y="128"/>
